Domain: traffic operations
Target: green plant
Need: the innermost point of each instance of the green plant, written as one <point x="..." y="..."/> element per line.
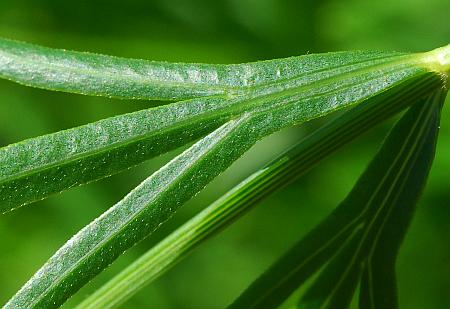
<point x="225" y="109"/>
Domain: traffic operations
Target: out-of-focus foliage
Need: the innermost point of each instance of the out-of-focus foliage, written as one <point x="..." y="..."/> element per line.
<point x="218" y="32"/>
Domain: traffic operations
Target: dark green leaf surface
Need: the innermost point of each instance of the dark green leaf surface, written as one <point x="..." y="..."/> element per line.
<point x="275" y="285"/>
<point x="378" y="285"/>
<point x="335" y="288"/>
<point x="293" y="90"/>
<point x="239" y="200"/>
<point x="381" y="191"/>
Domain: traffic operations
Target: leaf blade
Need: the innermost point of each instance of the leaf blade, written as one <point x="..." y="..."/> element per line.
<point x="94" y="74"/>
<point x="287" y="273"/>
<point x="293" y="101"/>
<point x="136" y="216"/>
<point x="378" y="286"/>
<point x="378" y="192"/>
<point x="39" y="167"/>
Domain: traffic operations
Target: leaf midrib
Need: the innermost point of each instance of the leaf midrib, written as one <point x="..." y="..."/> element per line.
<point x="129" y="219"/>
<point x="114" y="145"/>
<point x="142" y="79"/>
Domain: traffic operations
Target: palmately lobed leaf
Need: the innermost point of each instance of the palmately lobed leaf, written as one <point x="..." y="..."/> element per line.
<point x="239" y="104"/>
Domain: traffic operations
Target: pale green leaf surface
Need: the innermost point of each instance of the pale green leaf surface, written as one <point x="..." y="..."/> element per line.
<point x="94" y="74"/>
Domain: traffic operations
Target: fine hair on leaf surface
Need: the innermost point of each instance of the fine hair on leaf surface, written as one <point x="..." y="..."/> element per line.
<point x="224" y="109"/>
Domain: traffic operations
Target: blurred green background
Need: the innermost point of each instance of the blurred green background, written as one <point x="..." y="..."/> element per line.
<point x="226" y="31"/>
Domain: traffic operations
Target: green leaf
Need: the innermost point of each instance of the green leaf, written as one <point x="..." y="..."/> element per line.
<point x="281" y="171"/>
<point x="141" y="212"/>
<point x="318" y="246"/>
<point x="37" y="168"/>
<point x="293" y="90"/>
<point x="94" y="74"/>
<point x="335" y="288"/>
<point x="378" y="285"/>
<point x="381" y="191"/>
